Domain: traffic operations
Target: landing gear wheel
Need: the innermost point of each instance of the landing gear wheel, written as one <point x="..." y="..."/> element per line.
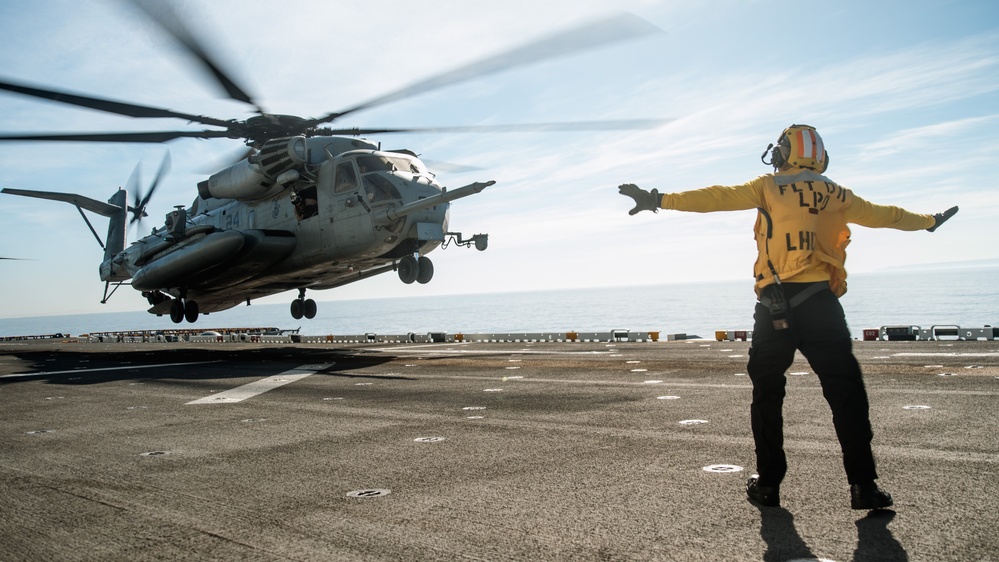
<point x="296" y="309"/>
<point x="191" y="311"/>
<point x="426" y="270"/>
<point x="309" y="308"/>
<point x="177" y="311"/>
<point x="409" y="269"/>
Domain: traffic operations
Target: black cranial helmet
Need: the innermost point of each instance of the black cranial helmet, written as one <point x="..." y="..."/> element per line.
<point x="799" y="146"/>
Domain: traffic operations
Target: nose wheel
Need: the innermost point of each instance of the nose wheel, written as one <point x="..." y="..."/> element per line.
<point x="303" y="307"/>
<point x="412" y="269"/>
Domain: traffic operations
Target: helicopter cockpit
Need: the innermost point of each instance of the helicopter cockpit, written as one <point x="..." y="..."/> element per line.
<point x="381" y="175"/>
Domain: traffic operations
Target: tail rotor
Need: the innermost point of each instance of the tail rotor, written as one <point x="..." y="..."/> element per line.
<point x="138" y="209"/>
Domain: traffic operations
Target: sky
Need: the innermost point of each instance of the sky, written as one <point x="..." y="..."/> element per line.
<point x="904" y="93"/>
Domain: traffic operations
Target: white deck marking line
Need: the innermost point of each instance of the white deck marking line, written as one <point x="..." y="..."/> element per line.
<point x="947" y="354"/>
<point x="98" y="369"/>
<point x="252" y="389"/>
<point x="419" y="349"/>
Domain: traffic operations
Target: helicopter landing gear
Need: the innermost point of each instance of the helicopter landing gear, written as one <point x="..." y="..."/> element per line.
<point x="177" y="311"/>
<point x="408" y="269"/>
<point x="412" y="269"/>
<point x="181" y="309"/>
<point x="303" y="307"/>
<point x="426" y="270"/>
<point x="191" y="311"/>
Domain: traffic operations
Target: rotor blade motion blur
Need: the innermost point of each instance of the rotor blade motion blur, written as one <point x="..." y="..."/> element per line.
<point x="151" y="136"/>
<point x="164" y="15"/>
<point x="139" y="209"/>
<point x="110" y="106"/>
<point x="624" y="124"/>
<point x="259" y="129"/>
<point x="605" y="31"/>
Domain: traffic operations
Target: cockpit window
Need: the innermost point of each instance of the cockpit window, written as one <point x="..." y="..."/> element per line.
<point x="346" y="179"/>
<point x="379" y="189"/>
<point x="383" y="163"/>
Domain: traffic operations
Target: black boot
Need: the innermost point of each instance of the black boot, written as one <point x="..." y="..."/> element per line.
<point x="768" y="496"/>
<point x="869" y="496"/>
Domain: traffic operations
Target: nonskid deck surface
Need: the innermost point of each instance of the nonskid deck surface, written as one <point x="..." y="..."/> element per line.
<point x="613" y="450"/>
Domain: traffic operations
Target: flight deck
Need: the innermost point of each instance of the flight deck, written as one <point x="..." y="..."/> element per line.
<point x="533" y="450"/>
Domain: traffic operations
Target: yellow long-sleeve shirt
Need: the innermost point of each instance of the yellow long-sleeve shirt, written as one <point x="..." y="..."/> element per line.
<point x="801" y="227"/>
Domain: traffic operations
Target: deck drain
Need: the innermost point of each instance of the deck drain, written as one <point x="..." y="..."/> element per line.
<point x="693" y="422"/>
<point x="371" y="493"/>
<point x="916" y="407"/>
<point x="722" y="468"/>
<point x="429" y="439"/>
<point x="154" y="453"/>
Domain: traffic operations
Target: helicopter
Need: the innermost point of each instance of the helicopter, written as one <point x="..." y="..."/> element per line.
<point x="307" y="206"/>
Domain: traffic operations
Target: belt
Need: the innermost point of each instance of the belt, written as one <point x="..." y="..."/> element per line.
<point x="803" y="295"/>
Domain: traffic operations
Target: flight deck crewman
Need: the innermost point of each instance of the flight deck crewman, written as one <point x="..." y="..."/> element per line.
<point x="801" y="234"/>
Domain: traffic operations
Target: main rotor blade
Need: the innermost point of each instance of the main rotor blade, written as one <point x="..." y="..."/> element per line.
<point x="601" y="32"/>
<point x="625" y="124"/>
<point x="120" y="108"/>
<point x="150" y="136"/>
<point x="163" y="14"/>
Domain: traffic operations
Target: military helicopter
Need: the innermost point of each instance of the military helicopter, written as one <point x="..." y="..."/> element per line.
<point x="307" y="207"/>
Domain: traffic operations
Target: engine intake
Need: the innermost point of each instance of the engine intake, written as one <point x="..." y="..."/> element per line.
<point x="255" y="177"/>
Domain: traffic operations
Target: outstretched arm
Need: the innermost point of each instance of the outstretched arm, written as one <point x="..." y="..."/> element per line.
<point x="872" y="215"/>
<point x="705" y="200"/>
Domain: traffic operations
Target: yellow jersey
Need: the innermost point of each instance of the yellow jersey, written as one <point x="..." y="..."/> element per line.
<point x="801" y="228"/>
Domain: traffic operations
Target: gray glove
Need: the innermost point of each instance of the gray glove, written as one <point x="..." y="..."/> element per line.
<point x="942" y="218"/>
<point x="644" y="200"/>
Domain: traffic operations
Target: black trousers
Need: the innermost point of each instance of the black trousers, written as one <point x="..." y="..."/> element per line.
<point x="817" y="328"/>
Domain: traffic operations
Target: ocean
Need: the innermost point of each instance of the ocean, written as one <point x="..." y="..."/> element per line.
<point x="966" y="297"/>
